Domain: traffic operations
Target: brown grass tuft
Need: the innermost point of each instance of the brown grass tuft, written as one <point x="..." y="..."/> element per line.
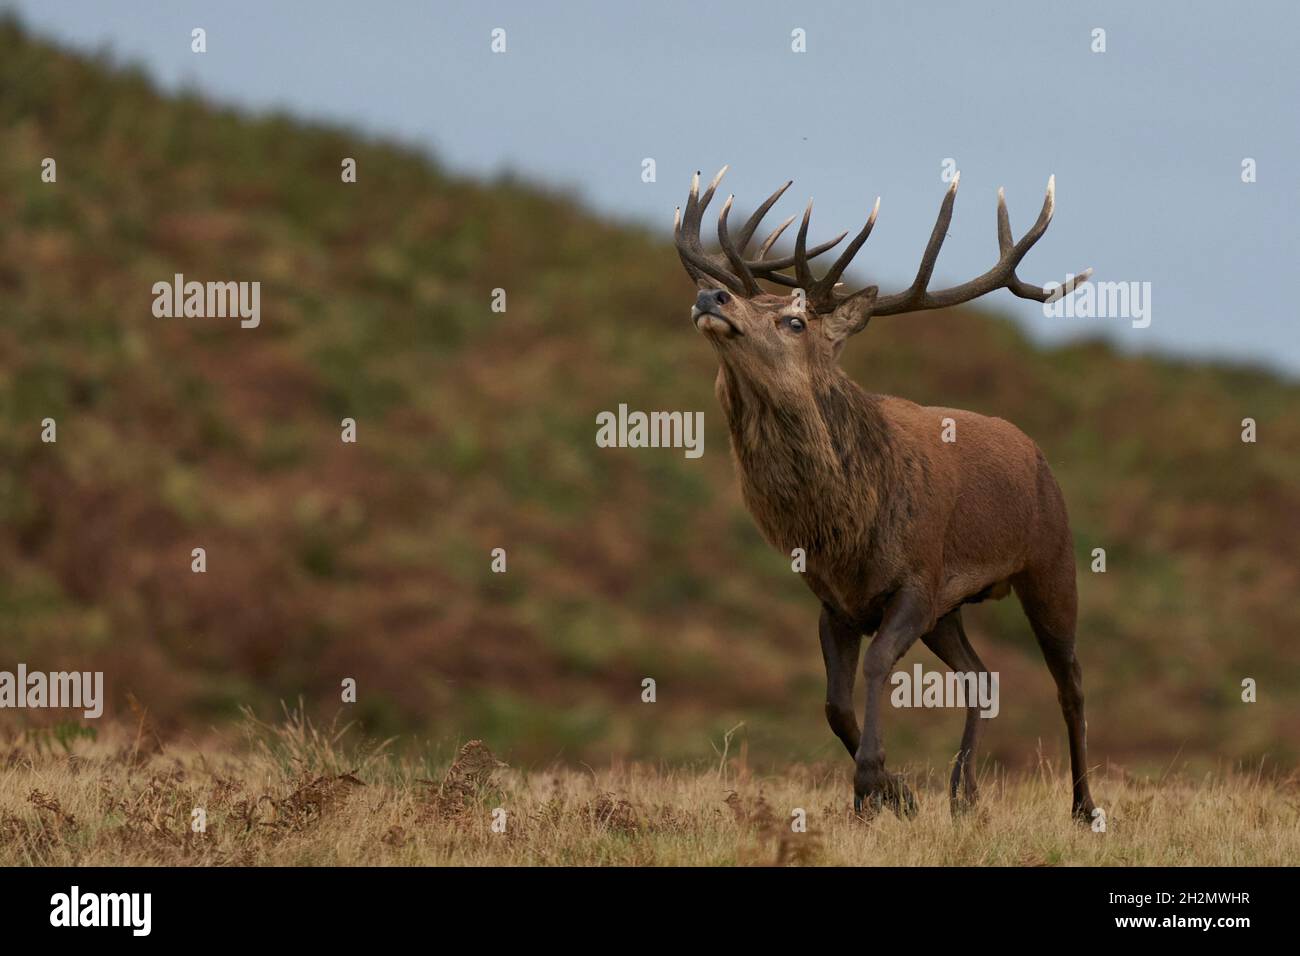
<point x="466" y="781"/>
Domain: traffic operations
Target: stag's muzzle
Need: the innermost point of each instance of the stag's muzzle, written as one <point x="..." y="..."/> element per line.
<point x="709" y="302"/>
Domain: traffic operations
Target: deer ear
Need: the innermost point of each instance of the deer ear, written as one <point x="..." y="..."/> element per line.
<point x="851" y="316"/>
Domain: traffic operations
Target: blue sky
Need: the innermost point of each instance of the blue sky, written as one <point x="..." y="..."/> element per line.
<point x="1146" y="139"/>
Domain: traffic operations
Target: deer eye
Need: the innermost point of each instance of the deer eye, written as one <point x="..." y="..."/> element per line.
<point x="793" y="323"/>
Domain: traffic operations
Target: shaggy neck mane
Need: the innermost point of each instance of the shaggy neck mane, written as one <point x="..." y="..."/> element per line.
<point x="814" y="466"/>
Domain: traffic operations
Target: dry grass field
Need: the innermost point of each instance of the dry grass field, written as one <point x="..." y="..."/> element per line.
<point x="292" y="795"/>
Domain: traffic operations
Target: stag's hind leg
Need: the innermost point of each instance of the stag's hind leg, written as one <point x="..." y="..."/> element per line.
<point x="1047" y="594"/>
<point x="949" y="643"/>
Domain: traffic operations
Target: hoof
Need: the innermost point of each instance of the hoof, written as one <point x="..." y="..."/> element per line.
<point x="1084" y="813"/>
<point x="891" y="793"/>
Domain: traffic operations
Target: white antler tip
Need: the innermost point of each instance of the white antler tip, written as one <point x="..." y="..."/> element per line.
<point x="956" y="178"/>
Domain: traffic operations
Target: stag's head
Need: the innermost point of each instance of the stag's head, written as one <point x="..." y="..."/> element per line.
<point x="794" y="335"/>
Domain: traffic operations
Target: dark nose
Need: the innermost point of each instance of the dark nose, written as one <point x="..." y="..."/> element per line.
<point x="710" y="299"/>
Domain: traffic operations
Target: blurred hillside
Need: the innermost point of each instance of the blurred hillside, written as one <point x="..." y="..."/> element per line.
<point x="476" y="431"/>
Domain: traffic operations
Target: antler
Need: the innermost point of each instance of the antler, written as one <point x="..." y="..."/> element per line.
<point x="740" y="275"/>
<point x="734" y="271"/>
<point x="917" y="298"/>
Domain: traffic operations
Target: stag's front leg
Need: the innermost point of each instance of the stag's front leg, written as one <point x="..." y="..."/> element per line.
<point x="841" y="645"/>
<point x="906" y="618"/>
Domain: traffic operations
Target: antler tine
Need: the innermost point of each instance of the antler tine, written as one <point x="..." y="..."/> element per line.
<point x="733" y="254"/>
<point x="931" y="255"/>
<point x="801" y="270"/>
<point x="1027" y="290"/>
<point x="1040" y="226"/>
<point x="917" y="298"/>
<point x="747" y="230"/>
<point x="692" y="200"/>
<point x="708" y="193"/>
<point x="826" y="285"/>
<point x="774" y="235"/>
<point x="691" y="269"/>
<point x="762" y="267"/>
<point x="1004" y="224"/>
<point x="695" y="206"/>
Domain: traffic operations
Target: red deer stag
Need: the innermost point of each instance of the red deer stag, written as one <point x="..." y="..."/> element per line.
<point x="899" y="528"/>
